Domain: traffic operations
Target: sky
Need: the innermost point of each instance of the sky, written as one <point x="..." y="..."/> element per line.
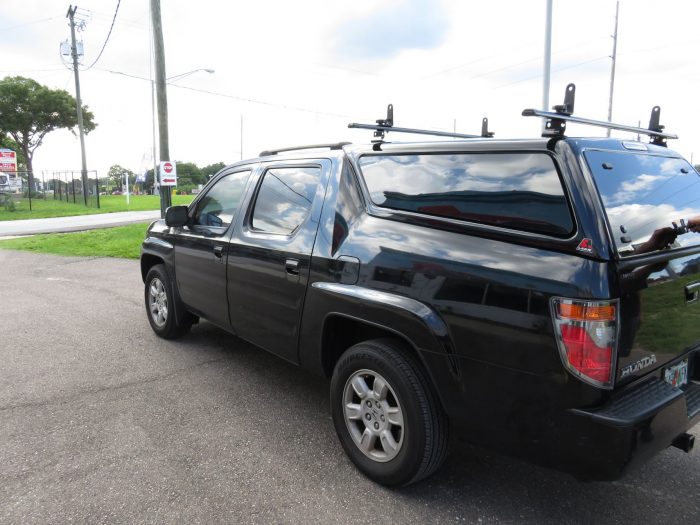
<point x="289" y="73"/>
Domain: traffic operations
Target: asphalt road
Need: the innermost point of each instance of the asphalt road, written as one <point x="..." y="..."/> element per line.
<point x="101" y="421"/>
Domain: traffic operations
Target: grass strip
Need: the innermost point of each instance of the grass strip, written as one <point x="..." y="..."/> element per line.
<point x="45" y="208"/>
<point x="121" y="241"/>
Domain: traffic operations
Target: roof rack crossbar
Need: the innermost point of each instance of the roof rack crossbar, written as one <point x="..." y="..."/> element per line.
<point x="383" y="126"/>
<point x="385" y="129"/>
<point x="332" y="146"/>
<point x="556" y="121"/>
<point x="598" y="123"/>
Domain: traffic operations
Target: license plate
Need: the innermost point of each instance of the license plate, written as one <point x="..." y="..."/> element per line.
<point x="677" y="375"/>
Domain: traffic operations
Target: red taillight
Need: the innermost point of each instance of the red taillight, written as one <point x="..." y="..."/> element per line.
<point x="585" y="356"/>
<point x="586" y="334"/>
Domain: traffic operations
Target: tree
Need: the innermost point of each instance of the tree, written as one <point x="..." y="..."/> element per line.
<point x="189" y="173"/>
<point x="211" y="169"/>
<point x="28" y="111"/>
<point x="116" y="175"/>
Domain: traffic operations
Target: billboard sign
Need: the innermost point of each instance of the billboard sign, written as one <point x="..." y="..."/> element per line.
<point x="168" y="173"/>
<point x="8" y="160"/>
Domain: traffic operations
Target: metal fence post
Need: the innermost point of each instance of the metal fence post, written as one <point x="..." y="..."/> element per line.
<point x="97" y="189"/>
<point x="29" y="190"/>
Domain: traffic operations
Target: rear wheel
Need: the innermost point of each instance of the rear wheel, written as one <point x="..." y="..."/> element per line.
<point x="160" y="304"/>
<point x="386" y="414"/>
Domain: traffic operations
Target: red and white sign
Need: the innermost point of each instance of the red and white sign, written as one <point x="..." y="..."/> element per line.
<point x="8" y="160"/>
<point x="168" y="173"/>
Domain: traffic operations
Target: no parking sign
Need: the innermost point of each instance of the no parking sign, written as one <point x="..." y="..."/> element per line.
<point x="168" y="173"/>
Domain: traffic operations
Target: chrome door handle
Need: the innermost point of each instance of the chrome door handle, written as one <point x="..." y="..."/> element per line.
<point x="292" y="266"/>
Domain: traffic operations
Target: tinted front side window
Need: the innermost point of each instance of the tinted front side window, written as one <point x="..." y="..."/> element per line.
<point x="219" y="205"/>
<point x="284" y="199"/>
<point x="513" y="190"/>
<point x="642" y="193"/>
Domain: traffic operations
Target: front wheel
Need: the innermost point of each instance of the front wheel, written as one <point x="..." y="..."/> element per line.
<point x="160" y="304"/>
<point x="386" y="414"/>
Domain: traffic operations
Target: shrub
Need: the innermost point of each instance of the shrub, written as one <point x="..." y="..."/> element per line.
<point x="7" y="201"/>
<point x="34" y="195"/>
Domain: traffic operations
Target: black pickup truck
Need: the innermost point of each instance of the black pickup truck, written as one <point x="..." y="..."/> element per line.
<point x="532" y="295"/>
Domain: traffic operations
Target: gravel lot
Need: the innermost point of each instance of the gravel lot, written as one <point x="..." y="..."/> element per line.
<point x="101" y="421"/>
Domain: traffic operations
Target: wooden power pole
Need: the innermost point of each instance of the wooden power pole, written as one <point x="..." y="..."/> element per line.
<point x="79" y="103"/>
<point x="161" y="99"/>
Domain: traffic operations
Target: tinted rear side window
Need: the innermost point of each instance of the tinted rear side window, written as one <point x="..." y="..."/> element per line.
<point x="521" y="191"/>
<point x="642" y="193"/>
<point x="284" y="199"/>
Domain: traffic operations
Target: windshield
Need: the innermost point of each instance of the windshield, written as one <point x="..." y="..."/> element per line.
<point x="643" y="194"/>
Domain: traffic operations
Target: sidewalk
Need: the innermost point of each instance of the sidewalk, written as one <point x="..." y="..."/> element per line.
<point x="75" y="223"/>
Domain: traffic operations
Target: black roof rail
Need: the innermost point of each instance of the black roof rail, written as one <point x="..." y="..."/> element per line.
<point x="383" y="126"/>
<point x="555" y="125"/>
<point x="332" y="146"/>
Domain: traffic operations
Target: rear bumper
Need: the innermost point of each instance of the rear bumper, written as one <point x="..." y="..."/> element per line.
<point x="605" y="442"/>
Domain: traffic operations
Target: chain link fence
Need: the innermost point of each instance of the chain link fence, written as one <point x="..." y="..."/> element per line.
<point x="65" y="186"/>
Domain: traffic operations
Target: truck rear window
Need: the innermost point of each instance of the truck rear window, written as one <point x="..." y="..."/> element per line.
<point x="642" y="193"/>
<point x="521" y="191"/>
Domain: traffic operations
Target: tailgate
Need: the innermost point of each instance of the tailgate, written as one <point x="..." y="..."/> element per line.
<point x="646" y="196"/>
<point x="659" y="319"/>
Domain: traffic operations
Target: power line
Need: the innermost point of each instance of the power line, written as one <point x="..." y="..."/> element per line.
<point x="262" y="102"/>
<point x="9" y="28"/>
<point x="19" y="71"/>
<point x="509" y="66"/>
<point x="114" y="18"/>
<point x="234" y="97"/>
<point x="556" y="70"/>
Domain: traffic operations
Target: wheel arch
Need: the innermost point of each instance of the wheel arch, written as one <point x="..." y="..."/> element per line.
<point x="342" y="331"/>
<point x="148" y="261"/>
<point x="151" y="258"/>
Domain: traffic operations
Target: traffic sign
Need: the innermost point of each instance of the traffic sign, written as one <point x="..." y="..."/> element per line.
<point x="168" y="173"/>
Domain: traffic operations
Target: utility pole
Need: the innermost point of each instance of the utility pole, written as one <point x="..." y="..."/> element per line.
<point x="153" y="105"/>
<point x="612" y="71"/>
<point x="161" y="99"/>
<point x="74" y="54"/>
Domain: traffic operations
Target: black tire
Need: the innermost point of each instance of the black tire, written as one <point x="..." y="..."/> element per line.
<point x="158" y="293"/>
<point x="400" y="454"/>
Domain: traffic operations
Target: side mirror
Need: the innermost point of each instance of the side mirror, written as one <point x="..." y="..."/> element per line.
<point x="176" y="216"/>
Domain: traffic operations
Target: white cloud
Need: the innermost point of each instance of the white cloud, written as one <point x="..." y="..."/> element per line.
<point x="391" y="29"/>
